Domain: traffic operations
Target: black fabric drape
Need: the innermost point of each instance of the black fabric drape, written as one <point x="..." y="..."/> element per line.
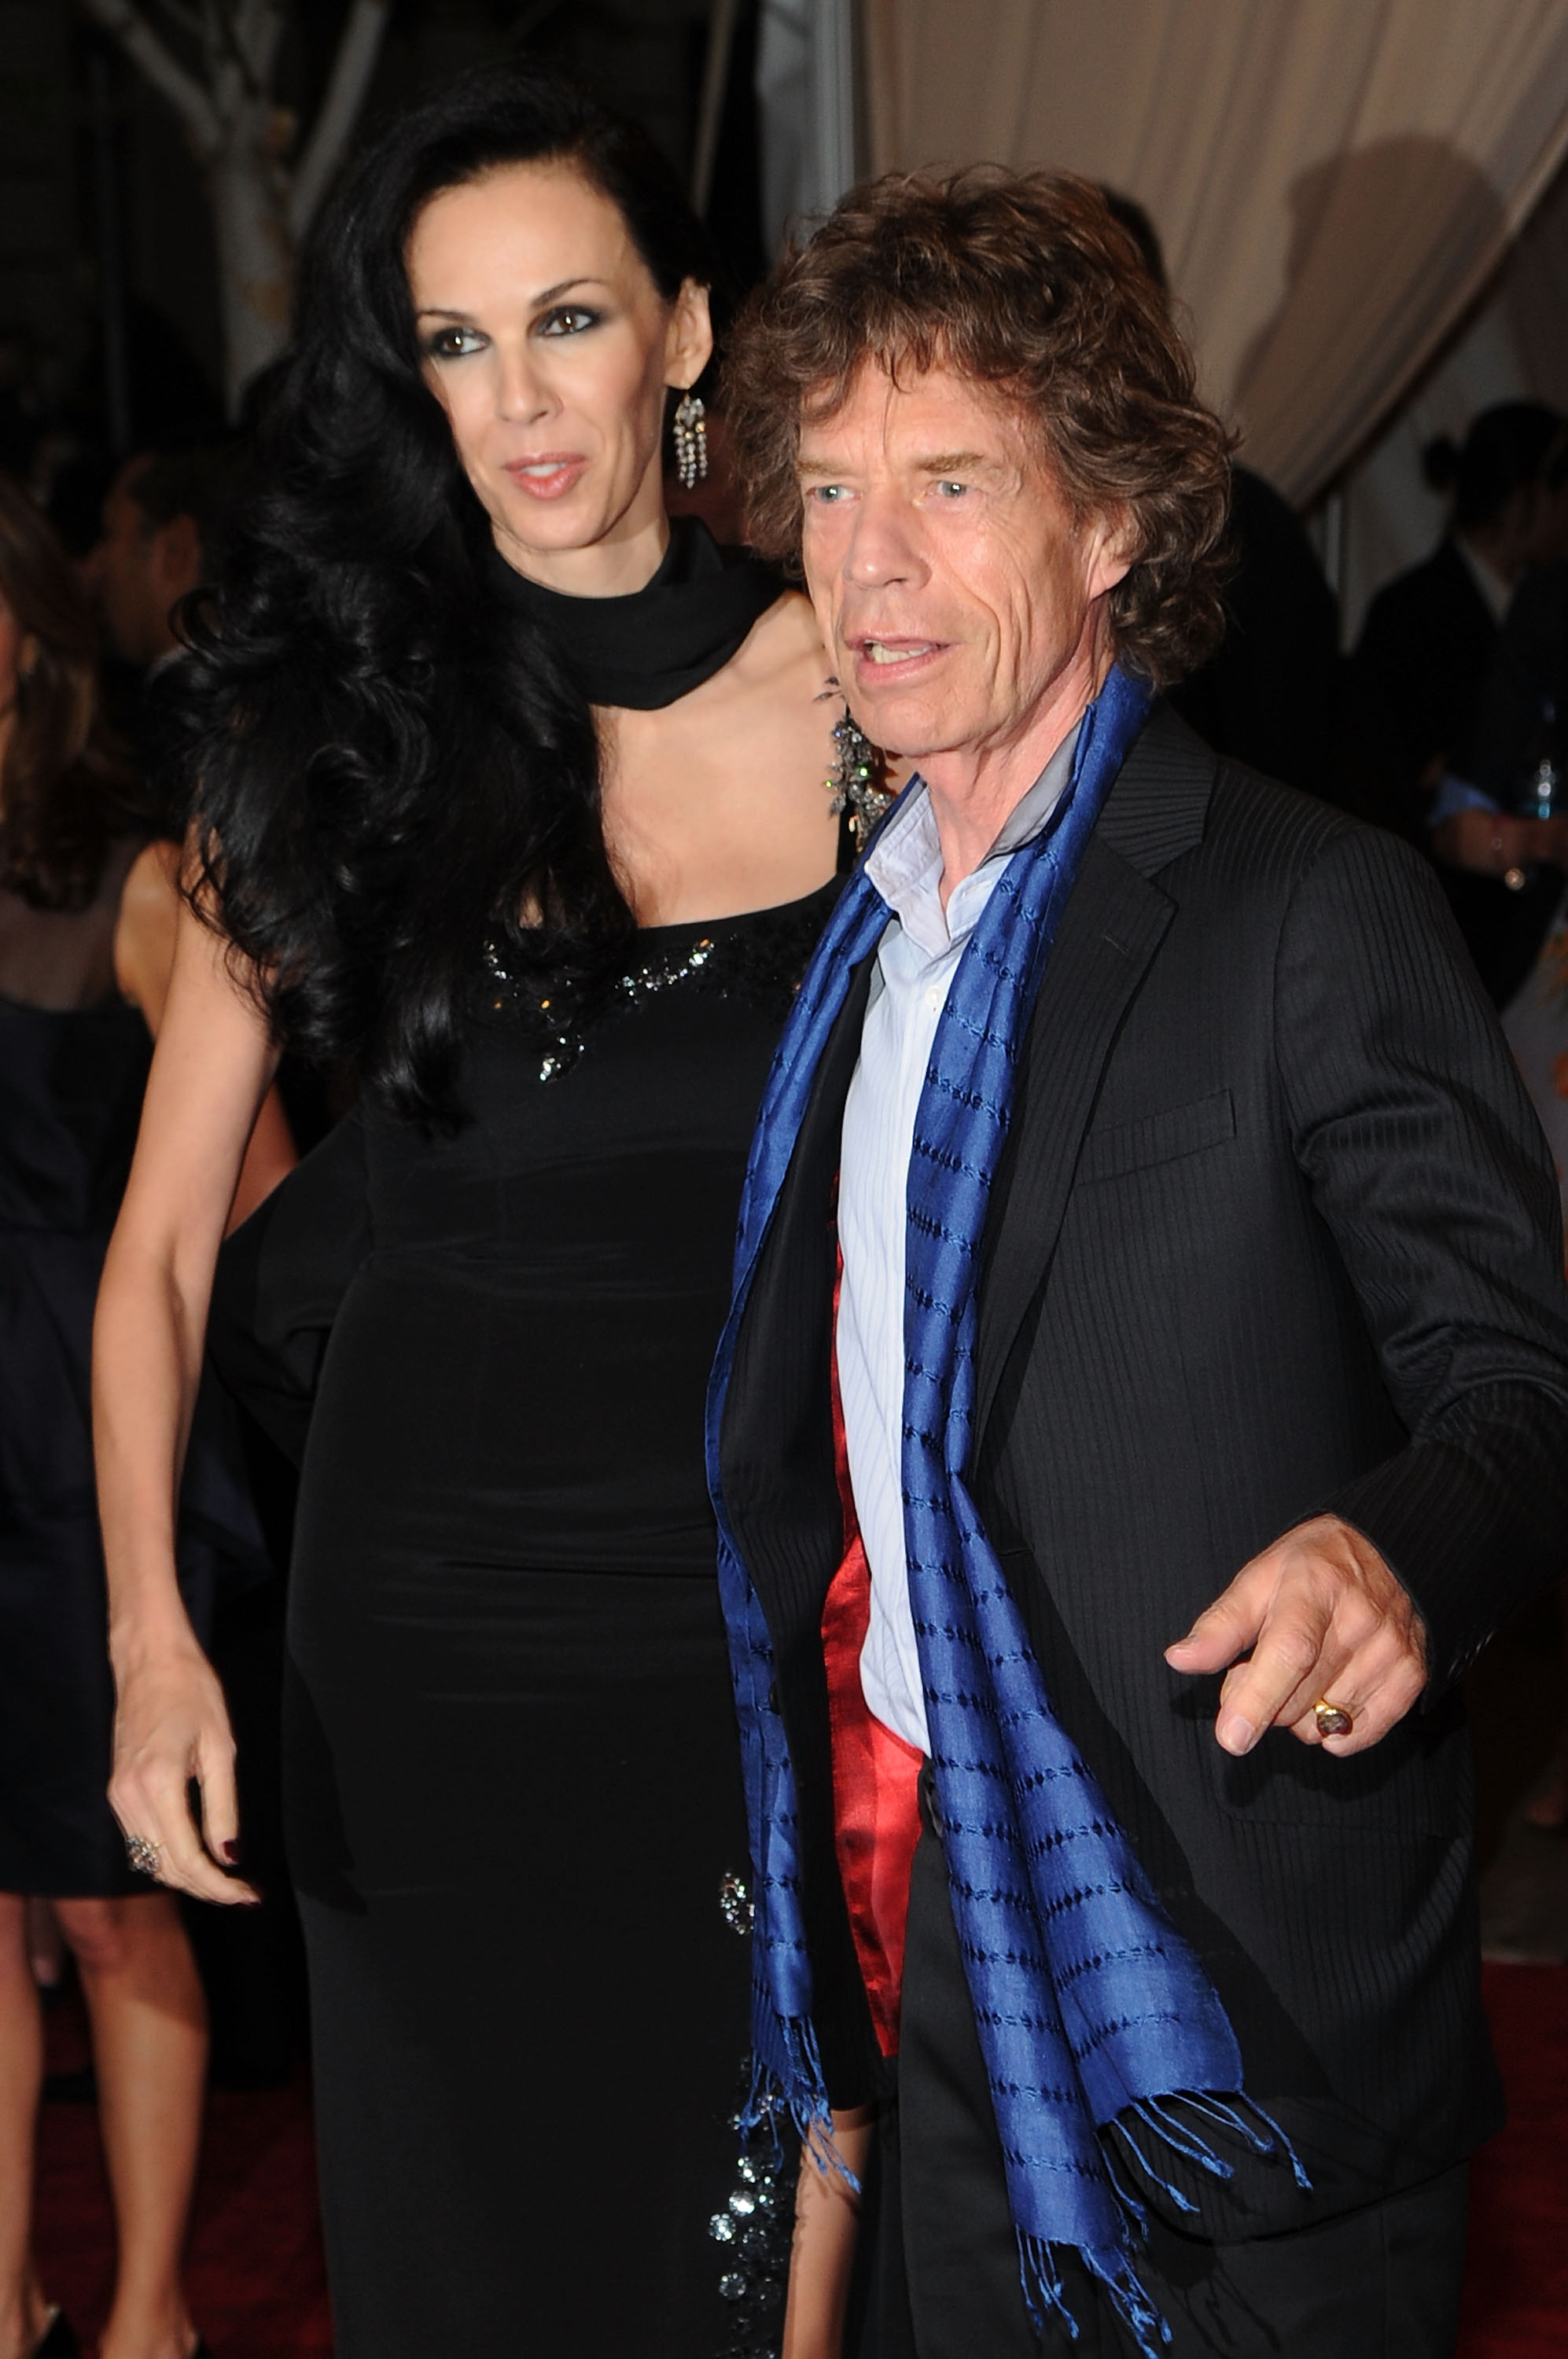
<point x="646" y="649"/>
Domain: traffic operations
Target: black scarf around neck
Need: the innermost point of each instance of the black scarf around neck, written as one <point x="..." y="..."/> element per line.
<point x="659" y="642"/>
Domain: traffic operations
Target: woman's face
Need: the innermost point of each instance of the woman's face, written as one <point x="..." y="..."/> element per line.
<point x="550" y="347"/>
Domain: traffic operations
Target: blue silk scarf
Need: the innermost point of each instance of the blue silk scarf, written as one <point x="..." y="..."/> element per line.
<point x="1093" y="2012"/>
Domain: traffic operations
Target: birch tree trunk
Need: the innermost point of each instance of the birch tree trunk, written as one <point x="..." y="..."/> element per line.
<point x="255" y="254"/>
<point x="263" y="201"/>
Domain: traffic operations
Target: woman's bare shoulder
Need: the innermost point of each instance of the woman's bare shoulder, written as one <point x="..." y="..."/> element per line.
<point x="146" y="928"/>
<point x="152" y="880"/>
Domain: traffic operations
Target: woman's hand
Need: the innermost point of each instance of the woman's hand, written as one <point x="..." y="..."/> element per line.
<point x="171" y="1725"/>
<point x="827" y="2225"/>
<point x="1495" y="843"/>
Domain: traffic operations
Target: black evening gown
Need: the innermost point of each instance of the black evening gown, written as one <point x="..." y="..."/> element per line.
<point x="73" y="1062"/>
<point x="512" y="1769"/>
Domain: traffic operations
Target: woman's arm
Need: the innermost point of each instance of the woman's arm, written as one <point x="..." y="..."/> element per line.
<point x="144" y="938"/>
<point x="827" y="2224"/>
<point x="211" y="1071"/>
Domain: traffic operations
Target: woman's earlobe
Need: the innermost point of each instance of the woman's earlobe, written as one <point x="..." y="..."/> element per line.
<point x="692" y="343"/>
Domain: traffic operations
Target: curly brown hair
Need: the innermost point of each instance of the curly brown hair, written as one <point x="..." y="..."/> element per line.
<point x="1025" y="282"/>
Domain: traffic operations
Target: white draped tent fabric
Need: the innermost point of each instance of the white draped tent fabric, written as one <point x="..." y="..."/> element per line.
<point x="1334" y="181"/>
<point x="1514" y="346"/>
<point x="805" y="93"/>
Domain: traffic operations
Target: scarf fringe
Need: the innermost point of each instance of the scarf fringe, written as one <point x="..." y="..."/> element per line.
<point x="1044" y="2292"/>
<point x="1232" y="2112"/>
<point x="803" y="2096"/>
<point x="1178" y="2134"/>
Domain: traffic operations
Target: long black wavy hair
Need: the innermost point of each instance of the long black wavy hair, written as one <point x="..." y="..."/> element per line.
<point x="384" y="767"/>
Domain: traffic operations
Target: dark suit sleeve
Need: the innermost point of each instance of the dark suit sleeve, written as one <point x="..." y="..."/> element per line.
<point x="1428" y="1165"/>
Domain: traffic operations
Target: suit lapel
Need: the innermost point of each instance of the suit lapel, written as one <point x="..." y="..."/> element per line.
<point x="777" y="1431"/>
<point x="1111" y="930"/>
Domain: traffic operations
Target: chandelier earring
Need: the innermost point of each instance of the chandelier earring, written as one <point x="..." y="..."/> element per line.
<point x="690" y="430"/>
<point x="858" y="779"/>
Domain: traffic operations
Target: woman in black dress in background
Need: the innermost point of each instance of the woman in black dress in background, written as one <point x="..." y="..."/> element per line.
<point x="87" y="918"/>
<point x="558" y="944"/>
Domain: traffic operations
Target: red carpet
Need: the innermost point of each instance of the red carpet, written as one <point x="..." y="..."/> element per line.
<point x="1516" y="2291"/>
<point x="259" y="2291"/>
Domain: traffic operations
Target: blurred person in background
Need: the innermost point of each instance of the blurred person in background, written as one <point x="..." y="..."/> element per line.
<point x="1418" y="679"/>
<point x="87" y="909"/>
<point x="162" y="525"/>
<point x="151" y="552"/>
<point x="1269" y="695"/>
<point x="1430" y="633"/>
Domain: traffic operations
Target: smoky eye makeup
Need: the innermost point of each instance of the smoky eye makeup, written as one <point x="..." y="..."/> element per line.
<point x="568" y="320"/>
<point x="449" y="341"/>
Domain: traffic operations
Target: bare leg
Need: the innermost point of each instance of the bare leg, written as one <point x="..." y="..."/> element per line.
<point x="22" y="2308"/>
<point x="149" y="2044"/>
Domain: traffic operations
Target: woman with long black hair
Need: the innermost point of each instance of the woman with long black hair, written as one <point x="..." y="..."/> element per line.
<point x="513" y="797"/>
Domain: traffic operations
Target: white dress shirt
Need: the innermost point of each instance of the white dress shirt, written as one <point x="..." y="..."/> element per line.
<point x="914" y="966"/>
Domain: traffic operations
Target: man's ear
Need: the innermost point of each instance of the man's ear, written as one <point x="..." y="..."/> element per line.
<point x="1111" y="548"/>
<point x="689" y="343"/>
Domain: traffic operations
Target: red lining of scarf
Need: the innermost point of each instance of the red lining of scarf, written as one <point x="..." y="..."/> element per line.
<point x="876" y="1774"/>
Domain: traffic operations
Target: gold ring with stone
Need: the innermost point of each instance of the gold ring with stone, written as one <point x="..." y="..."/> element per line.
<point x="1333" y="1720"/>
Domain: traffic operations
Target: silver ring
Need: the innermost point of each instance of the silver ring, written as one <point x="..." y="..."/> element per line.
<point x="143" y="1854"/>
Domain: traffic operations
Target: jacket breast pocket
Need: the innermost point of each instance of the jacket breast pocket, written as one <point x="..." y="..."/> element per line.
<point x="1163" y="1138"/>
<point x="1415" y="1784"/>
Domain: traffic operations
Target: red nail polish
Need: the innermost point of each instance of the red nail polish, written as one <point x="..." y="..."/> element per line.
<point x="230" y="1852"/>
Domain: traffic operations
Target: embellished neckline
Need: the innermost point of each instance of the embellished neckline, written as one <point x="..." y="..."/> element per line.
<point x="758" y="956"/>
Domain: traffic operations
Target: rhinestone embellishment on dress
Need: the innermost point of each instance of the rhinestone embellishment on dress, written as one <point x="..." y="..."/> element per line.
<point x="759" y="959"/>
<point x="640" y="983"/>
<point x="734" y="1904"/>
<point x="754" y="2233"/>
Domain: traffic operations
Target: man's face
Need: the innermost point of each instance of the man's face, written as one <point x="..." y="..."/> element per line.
<point x="961" y="598"/>
<point x="138" y="570"/>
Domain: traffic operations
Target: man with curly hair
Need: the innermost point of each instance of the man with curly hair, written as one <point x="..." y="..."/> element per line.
<point x="1146" y="1386"/>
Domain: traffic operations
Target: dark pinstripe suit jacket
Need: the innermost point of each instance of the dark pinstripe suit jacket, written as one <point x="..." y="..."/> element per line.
<point x="1276" y="1233"/>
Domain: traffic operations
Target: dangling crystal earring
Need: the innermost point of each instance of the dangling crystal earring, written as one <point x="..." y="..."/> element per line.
<point x="690" y="428"/>
<point x="856" y="782"/>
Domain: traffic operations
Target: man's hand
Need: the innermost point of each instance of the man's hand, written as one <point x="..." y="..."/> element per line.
<point x="1318" y="1615"/>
